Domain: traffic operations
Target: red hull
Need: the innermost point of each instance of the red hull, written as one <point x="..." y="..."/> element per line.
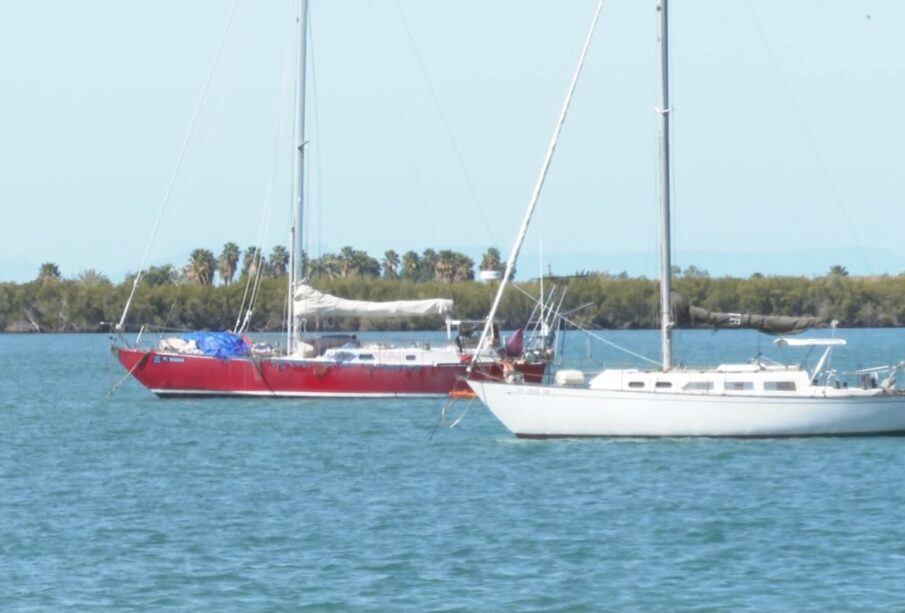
<point x="168" y="374"/>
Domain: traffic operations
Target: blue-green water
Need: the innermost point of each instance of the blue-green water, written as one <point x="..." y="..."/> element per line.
<point x="136" y="502"/>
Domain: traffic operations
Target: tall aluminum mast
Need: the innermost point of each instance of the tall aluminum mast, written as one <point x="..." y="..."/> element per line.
<point x="523" y="230"/>
<point x="665" y="259"/>
<point x="298" y="194"/>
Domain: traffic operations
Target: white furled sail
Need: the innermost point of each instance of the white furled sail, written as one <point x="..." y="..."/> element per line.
<point x="311" y="303"/>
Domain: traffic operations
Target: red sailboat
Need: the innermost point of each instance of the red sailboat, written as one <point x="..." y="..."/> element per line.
<point x="228" y="364"/>
<point x="346" y="371"/>
<point x="338" y="365"/>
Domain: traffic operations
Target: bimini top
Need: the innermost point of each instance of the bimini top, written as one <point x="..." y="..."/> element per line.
<point x="311" y="303"/>
<point x="808" y="342"/>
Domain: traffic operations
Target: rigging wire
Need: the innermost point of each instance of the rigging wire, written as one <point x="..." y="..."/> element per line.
<point x="539" y="184"/>
<point x="419" y="181"/>
<point x="459" y="158"/>
<point x="593" y="335"/>
<point x="315" y="157"/>
<point x="257" y="261"/>
<point x="179" y="161"/>
<point x="254" y="292"/>
<point x="610" y="343"/>
<point x="674" y="167"/>
<point x="837" y="198"/>
<point x="243" y="321"/>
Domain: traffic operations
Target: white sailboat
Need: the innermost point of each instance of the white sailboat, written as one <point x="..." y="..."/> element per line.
<point x="757" y="399"/>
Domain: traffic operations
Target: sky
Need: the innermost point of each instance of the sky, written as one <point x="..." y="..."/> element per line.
<point x="428" y="123"/>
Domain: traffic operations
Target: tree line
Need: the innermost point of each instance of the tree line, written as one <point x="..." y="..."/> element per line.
<point x="188" y="298"/>
<point x="204" y="268"/>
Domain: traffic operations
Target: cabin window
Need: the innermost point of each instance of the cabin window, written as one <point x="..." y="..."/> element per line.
<point x="779" y="386"/>
<point x="739" y="386"/>
<point x="664" y="384"/>
<point x="698" y="386"/>
<point x="410" y="358"/>
<point x="365" y="356"/>
<point x="636" y="383"/>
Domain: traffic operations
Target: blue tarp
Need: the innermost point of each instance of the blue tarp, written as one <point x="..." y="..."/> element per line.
<point x="218" y="344"/>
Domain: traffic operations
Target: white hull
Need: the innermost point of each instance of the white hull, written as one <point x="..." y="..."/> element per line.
<point x="543" y="411"/>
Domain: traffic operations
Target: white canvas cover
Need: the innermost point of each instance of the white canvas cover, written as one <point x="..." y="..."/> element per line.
<point x="311" y="303"/>
<point x="808" y="342"/>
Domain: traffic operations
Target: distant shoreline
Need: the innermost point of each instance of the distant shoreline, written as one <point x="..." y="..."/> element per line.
<point x="595" y="300"/>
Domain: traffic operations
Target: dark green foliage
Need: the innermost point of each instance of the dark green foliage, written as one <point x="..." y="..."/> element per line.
<point x="227" y="262"/>
<point x="49" y="272"/>
<point x="168" y="298"/>
<point x="279" y="261"/>
<point x="391" y="264"/>
<point x="411" y="265"/>
<point x="159" y="275"/>
<point x="92" y="278"/>
<point x="348" y="262"/>
<point x="253" y="262"/>
<point x="356" y="263"/>
<point x="491" y="260"/>
<point x="201" y="267"/>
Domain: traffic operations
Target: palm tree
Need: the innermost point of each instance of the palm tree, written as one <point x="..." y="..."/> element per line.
<point x="463" y="268"/>
<point x="838" y="271"/>
<point x="317" y="268"/>
<point x="252" y="262"/>
<point x="331" y="265"/>
<point x="411" y="263"/>
<point x="229" y="259"/>
<point x="492" y="260"/>
<point x="49" y="272"/>
<point x="279" y="261"/>
<point x="201" y="267"/>
<point x="444" y="265"/>
<point x="303" y="263"/>
<point x="428" y="269"/>
<point x="364" y="265"/>
<point x="390" y="264"/>
<point x="357" y="263"/>
<point x="346" y="261"/>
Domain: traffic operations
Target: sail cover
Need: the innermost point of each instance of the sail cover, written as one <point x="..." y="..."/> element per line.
<point x="311" y="303"/>
<point x="687" y="315"/>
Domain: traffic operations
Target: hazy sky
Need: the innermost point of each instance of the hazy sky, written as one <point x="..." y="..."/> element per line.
<point x="786" y="131"/>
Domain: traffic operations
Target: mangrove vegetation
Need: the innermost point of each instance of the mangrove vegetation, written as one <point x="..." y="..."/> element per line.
<point x="208" y="292"/>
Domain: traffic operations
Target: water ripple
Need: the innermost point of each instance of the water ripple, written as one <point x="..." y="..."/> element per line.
<point x="317" y="505"/>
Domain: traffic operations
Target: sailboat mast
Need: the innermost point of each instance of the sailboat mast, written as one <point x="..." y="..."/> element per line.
<point x="298" y="192"/>
<point x="665" y="251"/>
<point x="551" y="148"/>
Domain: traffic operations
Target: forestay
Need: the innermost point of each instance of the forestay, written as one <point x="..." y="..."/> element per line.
<point x="311" y="303"/>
